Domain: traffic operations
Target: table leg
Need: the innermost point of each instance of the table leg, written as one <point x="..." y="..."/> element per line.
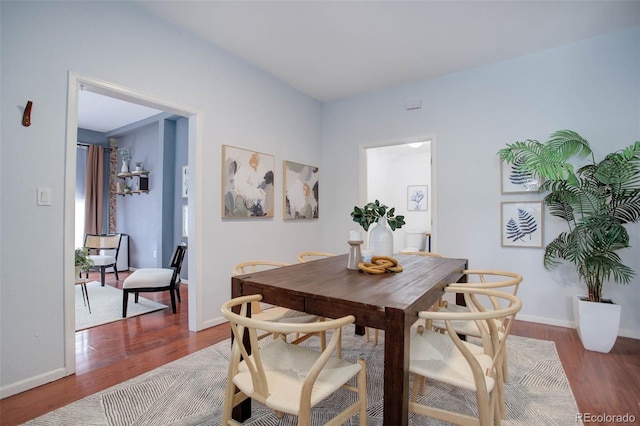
<point x="242" y="411"/>
<point x="396" y="368"/>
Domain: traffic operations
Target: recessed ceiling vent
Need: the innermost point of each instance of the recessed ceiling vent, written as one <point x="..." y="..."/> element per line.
<point x="411" y="104"/>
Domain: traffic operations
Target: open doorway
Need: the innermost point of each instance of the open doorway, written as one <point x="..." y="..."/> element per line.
<point x="109" y="90"/>
<point x="400" y="176"/>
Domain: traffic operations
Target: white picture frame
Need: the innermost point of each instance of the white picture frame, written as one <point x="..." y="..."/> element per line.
<point x="521" y="224"/>
<point x="417" y="198"/>
<point x="513" y="182"/>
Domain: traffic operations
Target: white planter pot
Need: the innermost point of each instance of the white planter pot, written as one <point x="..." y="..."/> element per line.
<point x="597" y="323"/>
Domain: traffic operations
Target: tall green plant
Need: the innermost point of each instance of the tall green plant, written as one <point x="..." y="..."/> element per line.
<point x="595" y="201"/>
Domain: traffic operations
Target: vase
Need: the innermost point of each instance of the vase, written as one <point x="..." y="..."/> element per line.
<point x="125" y="167"/>
<point x="381" y="239"/>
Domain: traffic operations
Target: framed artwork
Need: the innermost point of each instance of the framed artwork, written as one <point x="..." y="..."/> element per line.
<point x="185" y="221"/>
<point x="185" y="181"/>
<point x="300" y="195"/>
<point x="417" y="198"/>
<point x="521" y="224"/>
<point x="247" y="183"/>
<point x="515" y="181"/>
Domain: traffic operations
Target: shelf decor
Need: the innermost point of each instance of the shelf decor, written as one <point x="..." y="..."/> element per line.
<point x="300" y="195"/>
<point x="133" y="183"/>
<point x="247" y="183"/>
<point x="126" y="156"/>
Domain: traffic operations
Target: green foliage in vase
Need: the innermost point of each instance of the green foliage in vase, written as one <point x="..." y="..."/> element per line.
<point x="596" y="201"/>
<point x="372" y="212"/>
<point x="82" y="259"/>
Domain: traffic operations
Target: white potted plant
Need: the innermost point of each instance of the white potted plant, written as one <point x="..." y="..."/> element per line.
<point x="381" y="238"/>
<point x="126" y="156"/>
<point x="596" y="201"/>
<point x="82" y="261"/>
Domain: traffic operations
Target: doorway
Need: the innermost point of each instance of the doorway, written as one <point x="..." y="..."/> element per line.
<point x="128" y="95"/>
<point x="400" y="175"/>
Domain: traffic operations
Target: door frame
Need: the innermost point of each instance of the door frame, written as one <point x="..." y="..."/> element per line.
<point x="362" y="184"/>
<point x="75" y="81"/>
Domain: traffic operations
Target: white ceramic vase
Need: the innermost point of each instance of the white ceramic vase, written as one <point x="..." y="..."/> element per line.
<point x="125" y="167"/>
<point x="381" y="239"/>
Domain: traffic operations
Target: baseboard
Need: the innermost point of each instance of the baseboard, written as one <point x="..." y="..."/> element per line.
<point x="623" y="332"/>
<point x="213" y="322"/>
<point x="32" y="382"/>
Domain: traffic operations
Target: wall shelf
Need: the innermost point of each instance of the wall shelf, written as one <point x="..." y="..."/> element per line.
<point x="140" y="178"/>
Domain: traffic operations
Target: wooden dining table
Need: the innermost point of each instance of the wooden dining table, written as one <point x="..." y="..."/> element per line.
<point x="388" y="302"/>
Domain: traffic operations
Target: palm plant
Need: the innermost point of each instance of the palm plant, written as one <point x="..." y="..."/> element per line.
<point x="595" y="201"/>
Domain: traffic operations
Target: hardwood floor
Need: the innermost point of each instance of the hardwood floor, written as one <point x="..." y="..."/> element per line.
<point x="112" y="353"/>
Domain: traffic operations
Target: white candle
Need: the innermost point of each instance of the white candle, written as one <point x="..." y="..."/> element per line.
<point x="355" y="236"/>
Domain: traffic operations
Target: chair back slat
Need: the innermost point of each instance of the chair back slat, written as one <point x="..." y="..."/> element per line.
<point x="102" y="241"/>
<point x="308" y="256"/>
<point x="176" y="263"/>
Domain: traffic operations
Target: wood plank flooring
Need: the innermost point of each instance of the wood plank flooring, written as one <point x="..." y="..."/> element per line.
<point x="112" y="353"/>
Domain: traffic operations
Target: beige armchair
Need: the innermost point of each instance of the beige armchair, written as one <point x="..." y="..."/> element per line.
<point x="103" y="251"/>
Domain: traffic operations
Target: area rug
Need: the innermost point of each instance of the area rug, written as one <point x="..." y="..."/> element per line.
<point x="106" y="306"/>
<point x="190" y="391"/>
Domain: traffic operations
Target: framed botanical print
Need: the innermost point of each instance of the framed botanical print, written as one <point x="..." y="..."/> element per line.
<point x="515" y="181"/>
<point x="417" y="198"/>
<point x="521" y="224"/>
<point x="300" y="196"/>
<point x="247" y="183"/>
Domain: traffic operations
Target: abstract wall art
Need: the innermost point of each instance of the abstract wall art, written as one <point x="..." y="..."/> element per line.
<point x="300" y="191"/>
<point x="247" y="183"/>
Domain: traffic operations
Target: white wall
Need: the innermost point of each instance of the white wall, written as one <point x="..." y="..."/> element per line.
<point x="592" y="87"/>
<point x="119" y="43"/>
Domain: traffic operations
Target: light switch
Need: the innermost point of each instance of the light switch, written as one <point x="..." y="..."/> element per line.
<point x="44" y="196"/>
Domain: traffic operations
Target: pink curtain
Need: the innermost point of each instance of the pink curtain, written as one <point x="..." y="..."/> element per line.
<point x="94" y="190"/>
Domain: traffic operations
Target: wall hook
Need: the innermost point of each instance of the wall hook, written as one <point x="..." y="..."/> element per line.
<point x="26" y="117"/>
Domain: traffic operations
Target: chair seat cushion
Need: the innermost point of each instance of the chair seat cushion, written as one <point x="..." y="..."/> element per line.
<point x="435" y="356"/>
<point x="148" y="278"/>
<point x="102" y="260"/>
<point x="286" y="367"/>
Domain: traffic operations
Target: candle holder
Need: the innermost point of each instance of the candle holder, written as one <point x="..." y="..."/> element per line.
<point x="354" y="255"/>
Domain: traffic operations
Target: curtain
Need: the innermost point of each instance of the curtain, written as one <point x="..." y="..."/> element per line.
<point x="94" y="190"/>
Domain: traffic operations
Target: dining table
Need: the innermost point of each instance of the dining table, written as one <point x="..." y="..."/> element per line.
<point x="389" y="302"/>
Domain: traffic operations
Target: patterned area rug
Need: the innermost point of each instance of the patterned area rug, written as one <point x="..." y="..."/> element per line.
<point x="106" y="306"/>
<point x="190" y="391"/>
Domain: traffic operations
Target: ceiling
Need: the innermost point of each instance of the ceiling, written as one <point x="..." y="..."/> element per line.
<point x="335" y="49"/>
